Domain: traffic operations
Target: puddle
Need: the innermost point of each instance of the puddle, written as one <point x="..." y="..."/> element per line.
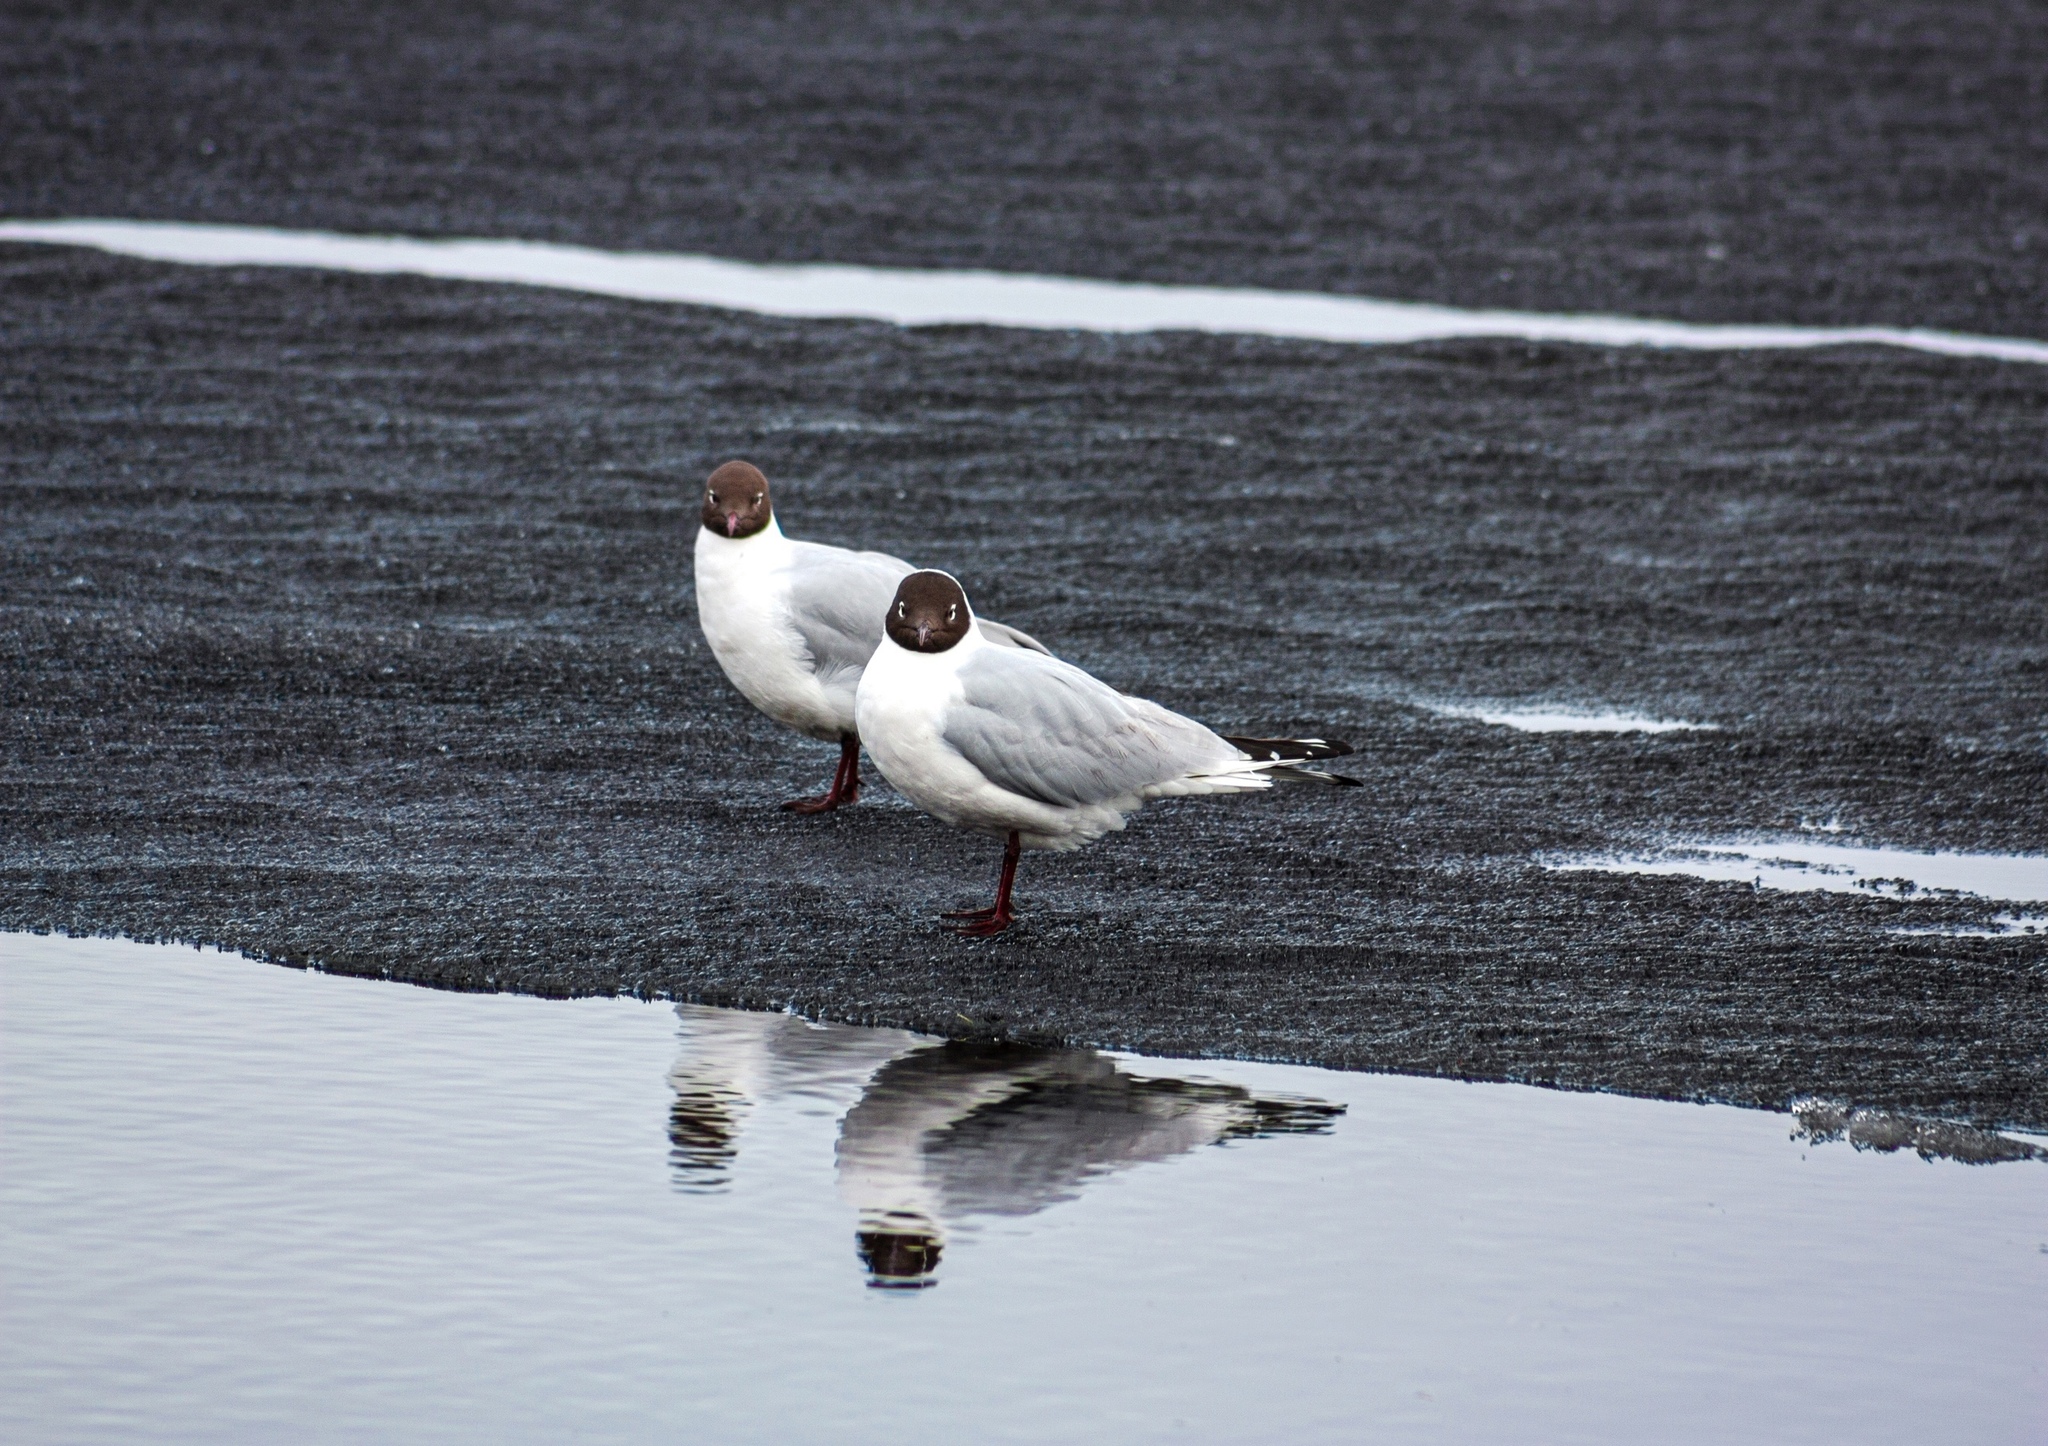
<point x="1539" y="720"/>
<point x="241" y="1202"/>
<point x="1805" y="866"/>
<point x="933" y="298"/>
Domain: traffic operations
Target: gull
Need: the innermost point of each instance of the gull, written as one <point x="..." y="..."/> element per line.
<point x="1032" y="749"/>
<point x="793" y="623"/>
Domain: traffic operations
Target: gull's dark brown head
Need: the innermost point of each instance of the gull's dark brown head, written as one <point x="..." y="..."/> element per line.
<point x="736" y="500"/>
<point x="929" y="614"/>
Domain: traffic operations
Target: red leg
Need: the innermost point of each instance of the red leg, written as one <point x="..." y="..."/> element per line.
<point x="997" y="917"/>
<point x="845" y="782"/>
<point x="1010" y="851"/>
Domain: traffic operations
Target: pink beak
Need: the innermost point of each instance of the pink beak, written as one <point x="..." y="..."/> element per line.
<point x="732" y="524"/>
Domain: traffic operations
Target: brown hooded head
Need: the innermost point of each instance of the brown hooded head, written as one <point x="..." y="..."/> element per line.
<point x="736" y="500"/>
<point x="929" y="614"/>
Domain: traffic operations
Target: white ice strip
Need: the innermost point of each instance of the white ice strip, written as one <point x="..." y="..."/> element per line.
<point x="1802" y="866"/>
<point x="1538" y="720"/>
<point x="936" y="298"/>
<point x="2003" y="926"/>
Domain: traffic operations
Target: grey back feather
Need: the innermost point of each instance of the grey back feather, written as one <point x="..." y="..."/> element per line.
<point x="1044" y="729"/>
<point x="839" y="598"/>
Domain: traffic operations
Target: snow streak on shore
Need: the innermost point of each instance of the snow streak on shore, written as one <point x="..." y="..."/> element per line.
<point x="1561" y="720"/>
<point x="954" y="298"/>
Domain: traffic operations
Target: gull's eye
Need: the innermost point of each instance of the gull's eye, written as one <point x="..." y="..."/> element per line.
<point x="712" y="498"/>
<point x="952" y="611"/>
<point x="899" y="610"/>
<point x="757" y="499"/>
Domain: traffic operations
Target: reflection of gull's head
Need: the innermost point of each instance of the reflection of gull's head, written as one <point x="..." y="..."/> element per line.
<point x="900" y="1251"/>
<point x="703" y="1133"/>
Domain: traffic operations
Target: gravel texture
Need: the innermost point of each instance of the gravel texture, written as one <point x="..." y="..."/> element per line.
<point x="1748" y="160"/>
<point x="349" y="620"/>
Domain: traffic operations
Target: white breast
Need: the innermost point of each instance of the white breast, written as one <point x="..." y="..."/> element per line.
<point x="902" y="708"/>
<point x="743" y="605"/>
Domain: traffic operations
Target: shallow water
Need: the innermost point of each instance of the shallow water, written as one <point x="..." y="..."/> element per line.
<point x="1551" y="720"/>
<point x="940" y="298"/>
<point x="246" y="1203"/>
<point x="1811" y="866"/>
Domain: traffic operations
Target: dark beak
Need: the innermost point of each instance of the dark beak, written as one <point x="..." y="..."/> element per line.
<point x="924" y="635"/>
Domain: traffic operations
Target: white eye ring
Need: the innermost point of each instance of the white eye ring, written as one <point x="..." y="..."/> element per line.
<point x="952" y="611"/>
<point x="899" y="610"/>
<point x="757" y="497"/>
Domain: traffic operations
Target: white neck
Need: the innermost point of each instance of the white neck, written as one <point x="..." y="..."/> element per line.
<point x="768" y="540"/>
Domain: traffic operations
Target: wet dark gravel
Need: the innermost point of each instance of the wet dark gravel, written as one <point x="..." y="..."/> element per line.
<point x="1765" y="160"/>
<point x="349" y="620"/>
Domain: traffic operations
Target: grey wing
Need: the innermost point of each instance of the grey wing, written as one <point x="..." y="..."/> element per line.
<point x="838" y="600"/>
<point x="1045" y="729"/>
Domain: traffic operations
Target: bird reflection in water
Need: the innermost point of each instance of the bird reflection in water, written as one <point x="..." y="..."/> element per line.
<point x="944" y="1132"/>
<point x="737" y="1060"/>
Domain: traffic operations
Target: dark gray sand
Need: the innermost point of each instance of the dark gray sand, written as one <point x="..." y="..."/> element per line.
<point x="349" y="620"/>
<point x="1746" y="160"/>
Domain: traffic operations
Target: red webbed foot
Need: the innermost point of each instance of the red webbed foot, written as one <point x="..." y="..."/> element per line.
<point x="997" y="917"/>
<point x="986" y="928"/>
<point x="845" y="787"/>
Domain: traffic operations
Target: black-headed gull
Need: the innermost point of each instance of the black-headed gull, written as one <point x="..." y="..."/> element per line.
<point x="793" y="623"/>
<point x="1027" y="747"/>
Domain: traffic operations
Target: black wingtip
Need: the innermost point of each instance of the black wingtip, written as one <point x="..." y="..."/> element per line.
<point x="1290" y="750"/>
